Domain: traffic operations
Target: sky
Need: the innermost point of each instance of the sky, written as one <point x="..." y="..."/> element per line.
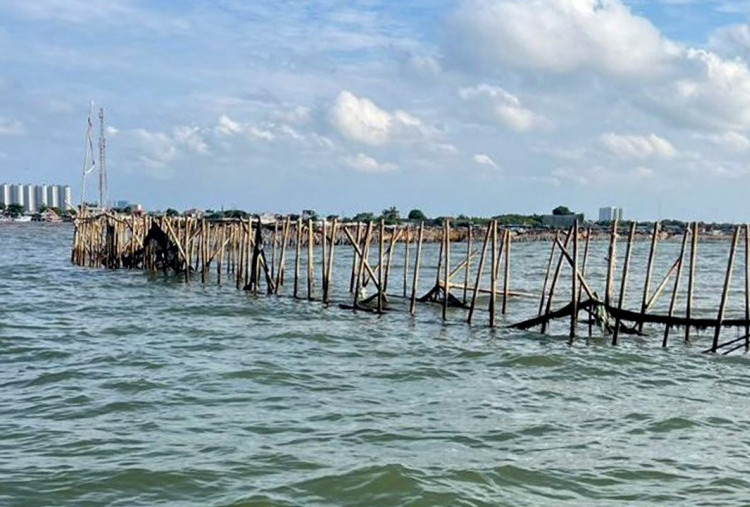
<point x="475" y="107"/>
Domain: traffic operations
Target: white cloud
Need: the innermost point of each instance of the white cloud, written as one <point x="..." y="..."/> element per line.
<point x="360" y="120"/>
<point x="712" y="93"/>
<point x="227" y="126"/>
<point x="731" y="40"/>
<point x="732" y="140"/>
<point x="638" y="147"/>
<point x="112" y="131"/>
<point x="598" y="175"/>
<point x="364" y="164"/>
<point x="501" y="107"/>
<point x="11" y="127"/>
<point x="158" y="150"/>
<point x="560" y="36"/>
<point x="483" y="159"/>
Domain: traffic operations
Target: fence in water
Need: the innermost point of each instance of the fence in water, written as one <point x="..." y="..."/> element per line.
<point x="298" y="258"/>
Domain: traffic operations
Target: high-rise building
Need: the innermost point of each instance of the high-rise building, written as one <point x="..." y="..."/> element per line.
<point x="53" y="196"/>
<point x="66" y="197"/>
<point x="16" y="194"/>
<point x="610" y="214"/>
<point x="5" y="194"/>
<point x="40" y="193"/>
<point x="29" y="198"/>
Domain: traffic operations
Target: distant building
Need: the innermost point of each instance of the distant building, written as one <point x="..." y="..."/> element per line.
<point x="40" y="194"/>
<point x="29" y="198"/>
<point x="560" y="221"/>
<point x="53" y="196"/>
<point x="5" y="194"/>
<point x="66" y="197"/>
<point x="16" y="194"/>
<point x="610" y="214"/>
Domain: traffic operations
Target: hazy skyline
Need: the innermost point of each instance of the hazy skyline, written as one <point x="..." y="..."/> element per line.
<point x="477" y="107"/>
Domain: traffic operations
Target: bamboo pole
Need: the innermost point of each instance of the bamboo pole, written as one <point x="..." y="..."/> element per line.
<point x="329" y="271"/>
<point x="672" y="302"/>
<point x="546" y="276"/>
<point x="273" y="247"/>
<point x="323" y="264"/>
<point x="406" y="259"/>
<point x="725" y="292"/>
<point x="467" y="266"/>
<point x="362" y="264"/>
<point x="446" y="284"/>
<point x="297" y="248"/>
<point x="555" y="278"/>
<point x="493" y="274"/>
<point x="381" y="240"/>
<point x="747" y="287"/>
<point x="310" y="244"/>
<point x="415" y="280"/>
<point x="479" y="274"/>
<point x="691" y="279"/>
<point x="649" y="269"/>
<point x="506" y="275"/>
<point x="574" y="285"/>
<point x="354" y="258"/>
<point x="624" y="282"/>
<point x="611" y="264"/>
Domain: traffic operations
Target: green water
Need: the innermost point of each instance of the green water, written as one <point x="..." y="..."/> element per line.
<point x="120" y="388"/>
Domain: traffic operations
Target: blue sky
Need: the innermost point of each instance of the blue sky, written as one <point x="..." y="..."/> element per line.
<point x="478" y="106"/>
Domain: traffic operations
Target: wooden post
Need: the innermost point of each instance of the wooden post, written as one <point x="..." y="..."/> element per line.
<point x="220" y="258"/>
<point x="624" y="282"/>
<point x="611" y="264"/>
<point x="297" y="252"/>
<point x="672" y="302"/>
<point x="362" y="259"/>
<point x="329" y="271"/>
<point x="556" y="277"/>
<point x="406" y="259"/>
<point x="446" y="284"/>
<point x="354" y="258"/>
<point x="479" y="273"/>
<point x="546" y="275"/>
<point x="310" y="273"/>
<point x="506" y="275"/>
<point x="323" y="264"/>
<point x="415" y="280"/>
<point x="493" y="274"/>
<point x="649" y="269"/>
<point x="725" y="292"/>
<point x="691" y="279"/>
<point x="747" y="288"/>
<point x="381" y="240"/>
<point x="468" y="261"/>
<point x="574" y="285"/>
<point x="273" y="247"/>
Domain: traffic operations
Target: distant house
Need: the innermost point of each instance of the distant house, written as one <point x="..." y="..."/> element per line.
<point x="49" y="215"/>
<point x="561" y="221"/>
<point x="194" y="213"/>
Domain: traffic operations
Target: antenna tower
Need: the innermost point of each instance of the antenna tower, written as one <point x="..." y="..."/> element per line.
<point x="102" y="163"/>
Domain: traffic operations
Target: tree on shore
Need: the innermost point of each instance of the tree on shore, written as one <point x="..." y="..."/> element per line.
<point x="417" y="214"/>
<point x="14" y="210"/>
<point x="562" y="210"/>
<point x="171" y="212"/>
<point x="391" y="216"/>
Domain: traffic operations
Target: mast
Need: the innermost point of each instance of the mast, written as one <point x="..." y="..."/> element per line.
<point x="88" y="157"/>
<point x="102" y="166"/>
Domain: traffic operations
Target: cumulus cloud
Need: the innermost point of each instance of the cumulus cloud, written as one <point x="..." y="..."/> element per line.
<point x="364" y="164"/>
<point x="711" y="93"/>
<point x="559" y="36"/>
<point x="496" y="105"/>
<point x="158" y="149"/>
<point x="638" y="147"/>
<point x="483" y="159"/>
<point x="360" y="120"/>
<point x="733" y="141"/>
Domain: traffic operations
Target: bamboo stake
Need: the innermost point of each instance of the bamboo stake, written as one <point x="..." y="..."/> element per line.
<point x="297" y="252"/>
<point x="506" y="276"/>
<point x="493" y="274"/>
<point x="649" y="269"/>
<point x="555" y="278"/>
<point x="479" y="274"/>
<point x="574" y="285"/>
<point x="446" y="285"/>
<point x="354" y="258"/>
<point x="326" y="296"/>
<point x="546" y="276"/>
<point x="381" y="240"/>
<point x="691" y="279"/>
<point x="310" y="272"/>
<point x="611" y="264"/>
<point x="672" y="302"/>
<point x="725" y="292"/>
<point x="406" y="259"/>
<point x="624" y="282"/>
<point x="747" y="287"/>
<point x="415" y="280"/>
<point x="323" y="265"/>
<point x="362" y="264"/>
<point x="468" y="261"/>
